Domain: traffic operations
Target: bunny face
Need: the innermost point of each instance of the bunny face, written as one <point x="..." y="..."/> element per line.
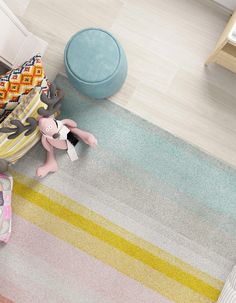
<point x="48" y="126"/>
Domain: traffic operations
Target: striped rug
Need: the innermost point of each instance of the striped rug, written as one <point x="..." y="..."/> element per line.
<point x="144" y="217"/>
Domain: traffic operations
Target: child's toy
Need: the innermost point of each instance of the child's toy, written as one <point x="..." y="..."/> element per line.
<point x="6" y="183"/>
<point x="59" y="134"/>
<point x="62" y="135"/>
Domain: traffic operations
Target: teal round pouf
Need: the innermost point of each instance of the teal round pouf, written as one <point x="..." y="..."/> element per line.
<point x="95" y="63"/>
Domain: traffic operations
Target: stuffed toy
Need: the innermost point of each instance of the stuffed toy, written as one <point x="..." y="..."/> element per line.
<point x="62" y="134"/>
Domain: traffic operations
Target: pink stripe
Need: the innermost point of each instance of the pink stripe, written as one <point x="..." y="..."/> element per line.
<point x="10" y="290"/>
<point x="24" y="293"/>
<point x="5" y="300"/>
<point x="83" y="269"/>
<point x="7" y="212"/>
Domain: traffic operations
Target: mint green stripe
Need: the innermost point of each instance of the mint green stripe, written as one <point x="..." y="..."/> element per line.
<point x="170" y="160"/>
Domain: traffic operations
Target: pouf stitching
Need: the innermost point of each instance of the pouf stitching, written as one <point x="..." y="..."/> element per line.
<point x="91" y="82"/>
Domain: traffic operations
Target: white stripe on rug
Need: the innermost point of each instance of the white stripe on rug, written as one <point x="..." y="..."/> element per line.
<point x="228" y="294"/>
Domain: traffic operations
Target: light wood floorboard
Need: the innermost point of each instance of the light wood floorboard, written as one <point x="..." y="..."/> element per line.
<point x="166" y="43"/>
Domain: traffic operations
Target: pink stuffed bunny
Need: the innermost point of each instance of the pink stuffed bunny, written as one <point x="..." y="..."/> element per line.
<point x="55" y="134"/>
<point x="62" y="135"/>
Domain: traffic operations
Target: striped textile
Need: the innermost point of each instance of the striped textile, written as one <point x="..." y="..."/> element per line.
<point x="228" y="294"/>
<point x="144" y="217"/>
<point x="168" y="278"/>
<point x="14" y="149"/>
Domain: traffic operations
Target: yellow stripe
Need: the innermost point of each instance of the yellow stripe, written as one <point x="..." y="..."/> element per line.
<point x="100" y="220"/>
<point x="116" y="258"/>
<point x="117" y="241"/>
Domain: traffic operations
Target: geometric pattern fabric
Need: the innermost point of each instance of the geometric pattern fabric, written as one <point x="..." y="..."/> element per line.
<point x="18" y="82"/>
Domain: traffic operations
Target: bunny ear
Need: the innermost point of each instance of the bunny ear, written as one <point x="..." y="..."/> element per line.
<point x="53" y="103"/>
<point x="20" y="128"/>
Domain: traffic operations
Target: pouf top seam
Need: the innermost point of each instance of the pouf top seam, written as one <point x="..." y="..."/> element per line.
<point x="81" y="79"/>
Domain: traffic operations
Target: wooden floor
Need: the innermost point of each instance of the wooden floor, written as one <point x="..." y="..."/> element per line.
<point x="166" y="43"/>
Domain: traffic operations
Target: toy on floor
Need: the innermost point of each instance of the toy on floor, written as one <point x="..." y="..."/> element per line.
<point x="55" y="134"/>
<point x="6" y="182"/>
<point x="62" y="135"/>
